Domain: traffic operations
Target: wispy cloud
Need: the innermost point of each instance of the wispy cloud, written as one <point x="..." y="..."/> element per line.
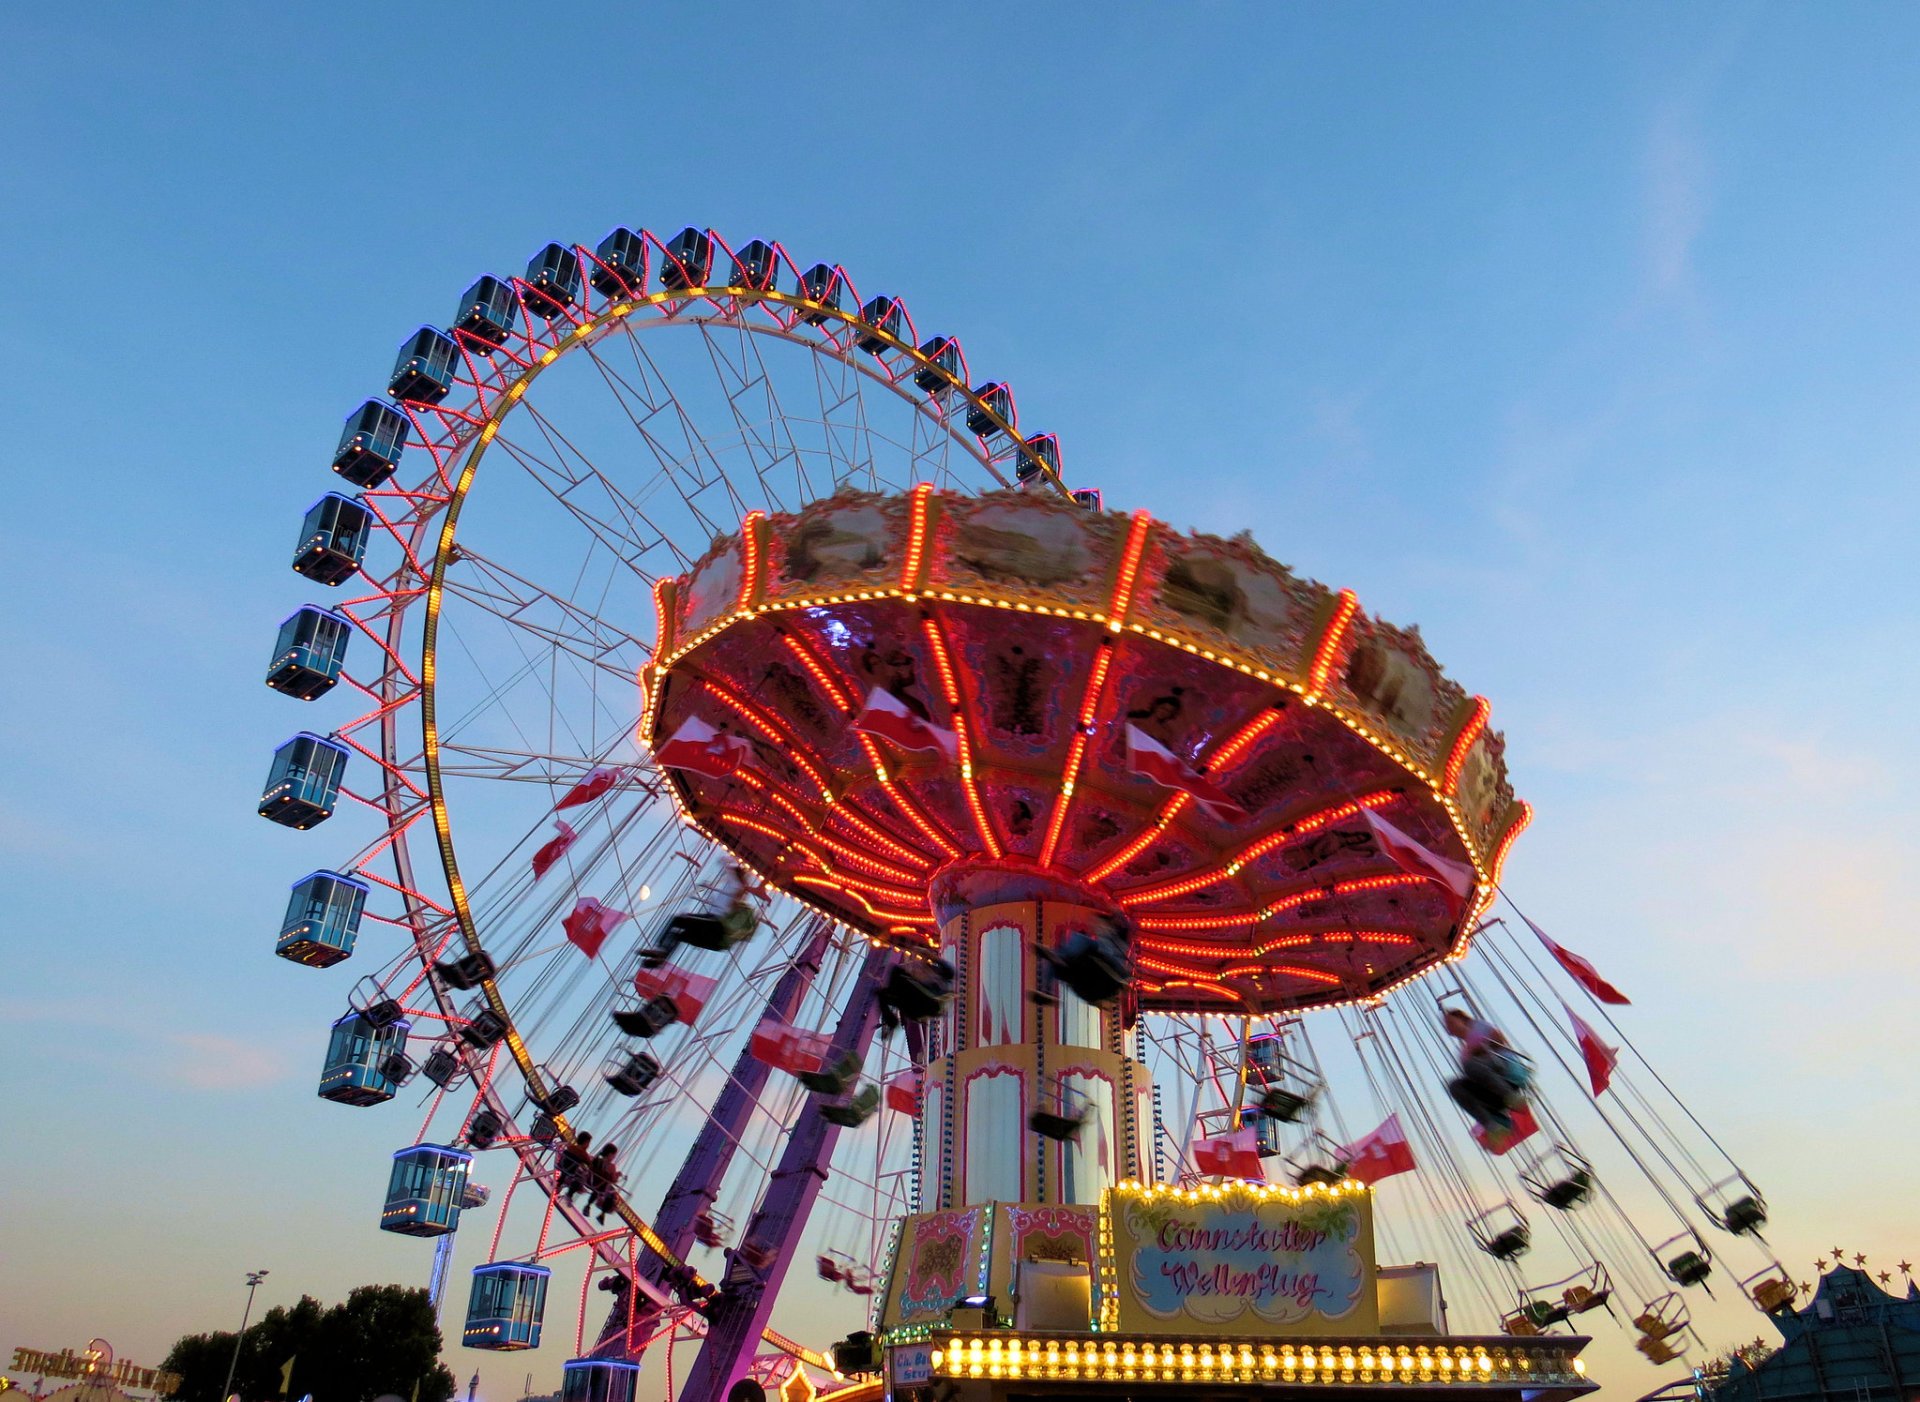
<point x="1675" y="197"/>
<point x="211" y="1061"/>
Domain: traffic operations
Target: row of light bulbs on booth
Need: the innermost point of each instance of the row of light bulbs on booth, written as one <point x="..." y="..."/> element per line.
<point x="1229" y="1362"/>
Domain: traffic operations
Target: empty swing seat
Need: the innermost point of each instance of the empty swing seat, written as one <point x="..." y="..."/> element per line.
<point x="505" y="1306"/>
<point x="1581" y="1298"/>
<point x="303" y="783"/>
<point x="1283" y="1105"/>
<point x="634" y="1075"/>
<point x="1774" y="1295"/>
<point x="553" y="281"/>
<point x="322" y="919"/>
<point x="689" y="260"/>
<point x="1509" y="1244"/>
<point x="333" y="539"/>
<point x="649" y="1019"/>
<point x="1689" y="1268"/>
<point x="620" y="264"/>
<point x="374" y="437"/>
<point x="423" y="370"/>
<point x="425" y="1190"/>
<point x="357" y="1053"/>
<point x="1744" y="1214"/>
<point x="1657" y="1350"/>
<point x="1569" y="1192"/>
<point x="309" y="653"/>
<point x="598" y="1380"/>
<point x="483" y="1028"/>
<point x="1057" y="1124"/>
<point x="483" y="1130"/>
<point x="487" y="313"/>
<point x="469" y="971"/>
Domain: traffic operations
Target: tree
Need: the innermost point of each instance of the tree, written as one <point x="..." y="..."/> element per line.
<point x="382" y="1338"/>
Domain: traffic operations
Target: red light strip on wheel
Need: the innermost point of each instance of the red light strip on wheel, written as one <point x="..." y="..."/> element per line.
<point x="1457" y="757"/>
<point x="749" y="558"/>
<point x="1253" y="851"/>
<point x="1330" y="641"/>
<point x="957" y="712"/>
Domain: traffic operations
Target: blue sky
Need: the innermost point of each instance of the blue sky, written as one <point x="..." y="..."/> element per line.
<point x="1581" y="335"/>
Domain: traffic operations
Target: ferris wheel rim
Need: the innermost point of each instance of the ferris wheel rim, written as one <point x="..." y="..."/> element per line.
<point x="468" y="455"/>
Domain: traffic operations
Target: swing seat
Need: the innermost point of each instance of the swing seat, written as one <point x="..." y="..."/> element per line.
<point x="706" y="1231"/>
<point x="827" y="1268"/>
<point x="1518" y="1325"/>
<point x="1319" y="1173"/>
<point x="1657" y="1350"/>
<point x="1057" y="1125"/>
<point x="1653" y="1326"/>
<point x="1547" y="1313"/>
<point x="1774" y="1295"/>
<point x="714" y="933"/>
<point x="1747" y="1214"/>
<point x="653" y="1016"/>
<point x="1284" y="1105"/>
<point x="1570" y="1191"/>
<point x="835" y="1077"/>
<point x="1510" y="1244"/>
<point x="1689" y="1268"/>
<point x="853" y="1113"/>
<point x="1580" y="1298"/>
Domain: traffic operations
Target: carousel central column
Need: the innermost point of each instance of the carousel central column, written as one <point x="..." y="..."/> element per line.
<point x="1019" y="1058"/>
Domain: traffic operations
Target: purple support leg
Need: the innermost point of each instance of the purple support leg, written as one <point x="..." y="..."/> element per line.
<point x="740" y="1313"/>
<point x="697" y="1185"/>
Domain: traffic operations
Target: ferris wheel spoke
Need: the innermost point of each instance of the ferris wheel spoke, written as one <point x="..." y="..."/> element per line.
<point x="582" y="633"/>
<point x="658" y="398"/>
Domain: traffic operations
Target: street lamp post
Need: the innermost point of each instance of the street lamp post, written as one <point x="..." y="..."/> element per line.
<point x="253" y="1283"/>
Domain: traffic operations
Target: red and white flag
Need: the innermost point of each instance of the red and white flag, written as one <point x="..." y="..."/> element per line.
<point x="904" y="1092"/>
<point x="1582" y="971"/>
<point x="1380" y="1154"/>
<point x="596" y="783"/>
<point x="1455" y="879"/>
<point x="788" y="1048"/>
<point x="1233" y="1155"/>
<point x="1497" y="1142"/>
<point x="589" y="923"/>
<point x="1600" y="1058"/>
<point x="553" y="849"/>
<point x="688" y="991"/>
<point x="888" y="717"/>
<point x="697" y="746"/>
<point x="1146" y="756"/>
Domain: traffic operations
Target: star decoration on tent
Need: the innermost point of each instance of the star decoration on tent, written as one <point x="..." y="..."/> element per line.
<point x="1885" y="1276"/>
<point x="1839" y="1254"/>
<point x="1906" y="1268"/>
<point x="1859" y="1259"/>
<point x="1806" y="1285"/>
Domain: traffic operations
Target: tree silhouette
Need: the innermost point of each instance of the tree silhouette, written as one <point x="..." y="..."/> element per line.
<point x="381" y="1339"/>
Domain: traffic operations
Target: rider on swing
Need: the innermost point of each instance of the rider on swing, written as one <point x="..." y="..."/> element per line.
<point x="1493" y="1077"/>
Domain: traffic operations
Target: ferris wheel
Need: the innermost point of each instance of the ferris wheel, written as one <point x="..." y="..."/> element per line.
<point x="717" y="644"/>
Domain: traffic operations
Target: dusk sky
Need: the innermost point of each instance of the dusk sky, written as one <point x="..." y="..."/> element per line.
<point x="1581" y="335"/>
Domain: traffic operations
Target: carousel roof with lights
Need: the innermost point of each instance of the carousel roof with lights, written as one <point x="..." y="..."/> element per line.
<point x="1175" y="725"/>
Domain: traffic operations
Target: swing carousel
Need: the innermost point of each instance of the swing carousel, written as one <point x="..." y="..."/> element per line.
<point x="920" y="870"/>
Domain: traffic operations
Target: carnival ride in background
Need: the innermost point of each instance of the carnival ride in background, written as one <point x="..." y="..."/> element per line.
<point x="767" y="640"/>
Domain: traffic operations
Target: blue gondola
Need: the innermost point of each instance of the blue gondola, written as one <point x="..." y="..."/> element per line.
<point x="322" y="920"/>
<point x="821" y="283"/>
<point x="487" y="313"/>
<point x="309" y="653"/>
<point x="621" y="269"/>
<point x="553" y="281"/>
<point x="425" y="1190"/>
<point x="423" y="370"/>
<point x="883" y="314"/>
<point x="304" y="782"/>
<point x="995" y="398"/>
<point x="333" y="539"/>
<point x="505" y="1307"/>
<point x="948" y="366"/>
<point x="689" y="260"/>
<point x="1042" y="458"/>
<point x="356" y="1053"/>
<point x="371" y="443"/>
<point x="598" y="1380"/>
<point x="756" y="266"/>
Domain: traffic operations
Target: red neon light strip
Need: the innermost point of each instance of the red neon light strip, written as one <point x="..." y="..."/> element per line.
<point x="1174" y="807"/>
<point x="663" y="590"/>
<point x="1129" y="570"/>
<point x="1298" y="898"/>
<point x="749" y="558"/>
<point x="1519" y="825"/>
<point x="1057" y="822"/>
<point x="818" y="671"/>
<point x="767" y="727"/>
<point x="1330" y="641"/>
<point x="905" y="804"/>
<point x="916" y="537"/>
<point x="957" y="712"/>
<point x="1457" y="757"/>
<point x="1253" y="851"/>
<point x="1195" y="950"/>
